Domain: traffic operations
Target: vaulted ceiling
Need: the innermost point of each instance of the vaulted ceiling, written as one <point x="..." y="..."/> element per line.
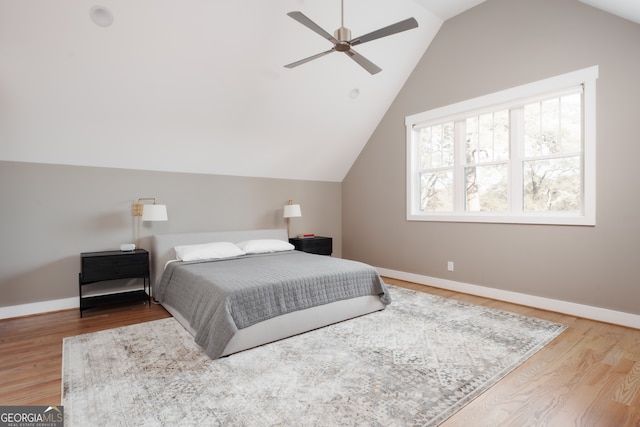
<point x="200" y="85"/>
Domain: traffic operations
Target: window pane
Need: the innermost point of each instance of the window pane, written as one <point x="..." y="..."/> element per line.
<point x="487" y="137"/>
<point x="436" y="191"/>
<point x="571" y="119"/>
<point x="436" y="146"/>
<point x="486" y="188"/>
<point x="553" y="126"/>
<point x="552" y="185"/>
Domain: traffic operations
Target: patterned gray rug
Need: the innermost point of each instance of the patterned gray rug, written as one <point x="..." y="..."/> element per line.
<point x="415" y="363"/>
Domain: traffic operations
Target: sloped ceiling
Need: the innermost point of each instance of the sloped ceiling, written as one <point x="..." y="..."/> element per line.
<point x="627" y="9"/>
<point x="199" y="85"/>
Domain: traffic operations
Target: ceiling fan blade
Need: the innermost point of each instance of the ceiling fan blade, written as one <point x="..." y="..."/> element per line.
<point x="364" y="62"/>
<point x="311" y="58"/>
<point x="398" y="27"/>
<point x="302" y="18"/>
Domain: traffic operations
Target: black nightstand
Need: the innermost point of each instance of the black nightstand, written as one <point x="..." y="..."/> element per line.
<point x="112" y="265"/>
<point x="315" y="245"/>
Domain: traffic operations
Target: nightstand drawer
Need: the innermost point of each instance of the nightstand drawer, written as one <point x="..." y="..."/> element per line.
<point x="97" y="266"/>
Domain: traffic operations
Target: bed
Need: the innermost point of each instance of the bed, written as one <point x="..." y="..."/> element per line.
<point x="259" y="295"/>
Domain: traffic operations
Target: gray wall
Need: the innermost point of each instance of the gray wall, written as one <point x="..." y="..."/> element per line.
<point x="494" y="46"/>
<point x="51" y="213"/>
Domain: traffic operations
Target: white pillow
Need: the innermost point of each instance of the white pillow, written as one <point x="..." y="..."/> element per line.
<point x="216" y="250"/>
<point x="262" y="246"/>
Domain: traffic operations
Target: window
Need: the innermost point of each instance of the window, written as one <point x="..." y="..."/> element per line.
<point x="524" y="155"/>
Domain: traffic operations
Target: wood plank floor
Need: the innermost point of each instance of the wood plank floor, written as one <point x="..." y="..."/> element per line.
<point x="588" y="376"/>
<point x="31" y="348"/>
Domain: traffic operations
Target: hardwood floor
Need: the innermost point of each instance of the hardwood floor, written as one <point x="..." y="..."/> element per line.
<point x="31" y="348"/>
<point x="588" y="376"/>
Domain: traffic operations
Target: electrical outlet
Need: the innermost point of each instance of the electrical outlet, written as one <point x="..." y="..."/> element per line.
<point x="450" y="265"/>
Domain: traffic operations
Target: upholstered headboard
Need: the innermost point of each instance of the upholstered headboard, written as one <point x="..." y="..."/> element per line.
<point x="162" y="244"/>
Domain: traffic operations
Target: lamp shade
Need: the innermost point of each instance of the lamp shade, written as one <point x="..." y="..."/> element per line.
<point x="292" y="211"/>
<point x="154" y="213"/>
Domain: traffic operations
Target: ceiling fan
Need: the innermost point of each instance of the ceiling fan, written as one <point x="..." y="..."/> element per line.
<point x="342" y="41"/>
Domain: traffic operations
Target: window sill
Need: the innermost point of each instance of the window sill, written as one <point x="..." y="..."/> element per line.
<point x="493" y="218"/>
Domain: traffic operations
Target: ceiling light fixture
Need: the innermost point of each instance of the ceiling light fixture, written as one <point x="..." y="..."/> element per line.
<point x="101" y="16"/>
<point x="355" y="92"/>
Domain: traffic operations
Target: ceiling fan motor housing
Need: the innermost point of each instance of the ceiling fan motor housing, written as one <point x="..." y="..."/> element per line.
<point x="343" y="35"/>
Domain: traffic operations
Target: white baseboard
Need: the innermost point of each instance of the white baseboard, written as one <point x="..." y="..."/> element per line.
<point x="570" y="308"/>
<point x="38" y="307"/>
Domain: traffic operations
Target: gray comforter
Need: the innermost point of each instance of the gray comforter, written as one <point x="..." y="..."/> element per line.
<point x="220" y="297"/>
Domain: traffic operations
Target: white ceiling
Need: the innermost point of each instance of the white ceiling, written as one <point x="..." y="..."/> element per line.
<point x="199" y="85"/>
<point x="628" y="9"/>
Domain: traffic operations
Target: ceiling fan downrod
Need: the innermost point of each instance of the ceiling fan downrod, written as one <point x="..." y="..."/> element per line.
<point x="342" y="34"/>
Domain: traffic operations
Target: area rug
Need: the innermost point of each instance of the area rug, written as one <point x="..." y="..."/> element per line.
<point x="415" y="363"/>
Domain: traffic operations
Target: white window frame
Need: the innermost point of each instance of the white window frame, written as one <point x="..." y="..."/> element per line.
<point x="587" y="216"/>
